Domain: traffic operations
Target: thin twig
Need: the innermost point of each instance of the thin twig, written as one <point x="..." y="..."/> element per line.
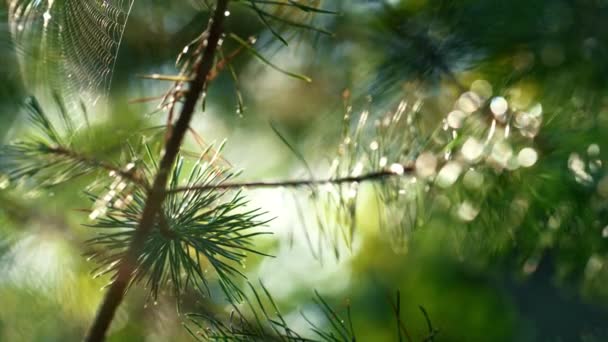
<point x="401" y="328"/>
<point x="129" y="174"/>
<point x="373" y="176"/>
<point x="156" y="194"/>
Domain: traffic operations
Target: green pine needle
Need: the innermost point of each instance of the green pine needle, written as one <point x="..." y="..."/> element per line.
<point x="196" y="231"/>
<point x="43" y="158"/>
<point x="260" y="319"/>
<point x="254" y="52"/>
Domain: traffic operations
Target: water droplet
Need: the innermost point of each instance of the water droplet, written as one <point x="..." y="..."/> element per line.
<point x="482" y="88"/>
<point x="605" y="232"/>
<point x="446" y="126"/>
<point x="530" y="265"/>
<point x="417" y="105"/>
<point x="593" y="150"/>
<point x="469" y="102"/>
<point x="47" y="17"/>
<point x="383" y="162"/>
<point x="577" y="166"/>
<point x="527" y="157"/>
<point x="455" y="118"/>
<point x="528" y="123"/>
<point x="536" y="110"/>
<point x="595" y="165"/>
<point x="426" y="165"/>
<point x="357" y="170"/>
<point x="397" y="169"/>
<point x="473" y="179"/>
<point x="594" y="265"/>
<point x="442" y="202"/>
<point x="227" y="13"/>
<point x="449" y="174"/>
<point x="501" y="153"/>
<point x="467" y="211"/>
<point x="95" y="214"/>
<point x="472" y="149"/>
<point x="350" y="194"/>
<point x="554" y="222"/>
<point x="512" y="164"/>
<point x="507" y="129"/>
<point x="4" y="182"/>
<point x="373" y="145"/>
<point x="499" y="106"/>
<point x="492" y="131"/>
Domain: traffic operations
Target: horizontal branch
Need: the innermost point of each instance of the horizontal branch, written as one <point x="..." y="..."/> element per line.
<point x="130" y="175"/>
<point x="372" y="176"/>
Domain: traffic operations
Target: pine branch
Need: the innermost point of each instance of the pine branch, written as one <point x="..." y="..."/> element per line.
<point x="194" y="231"/>
<point x="260" y="319"/>
<point x="398" y="170"/>
<point x="51" y="164"/>
<point x="99" y="164"/>
<point x="157" y="193"/>
<point x="49" y="158"/>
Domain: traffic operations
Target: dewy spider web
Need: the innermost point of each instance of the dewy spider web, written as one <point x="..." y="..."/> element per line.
<point x="68" y="47"/>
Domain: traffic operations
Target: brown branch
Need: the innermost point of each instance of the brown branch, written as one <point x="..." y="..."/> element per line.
<point x="372" y="176"/>
<point x="130" y="174"/>
<point x="157" y="193"/>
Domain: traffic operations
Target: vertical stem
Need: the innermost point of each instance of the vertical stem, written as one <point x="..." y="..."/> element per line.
<point x="156" y="194"/>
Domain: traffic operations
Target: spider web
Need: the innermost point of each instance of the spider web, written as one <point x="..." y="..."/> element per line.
<point x="68" y="47"/>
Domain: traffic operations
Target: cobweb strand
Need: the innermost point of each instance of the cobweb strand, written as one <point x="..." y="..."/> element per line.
<point x="68" y="47"/>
